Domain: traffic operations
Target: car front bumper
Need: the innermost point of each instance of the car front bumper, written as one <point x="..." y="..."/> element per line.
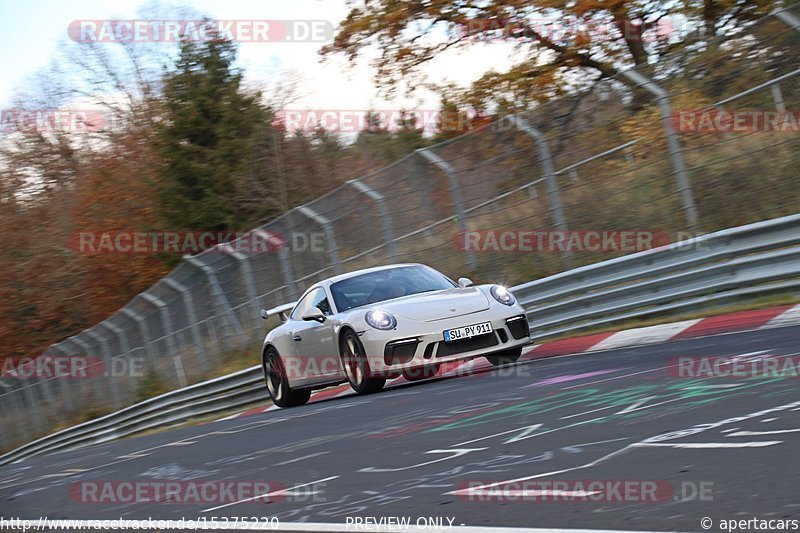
<point x="414" y="344"/>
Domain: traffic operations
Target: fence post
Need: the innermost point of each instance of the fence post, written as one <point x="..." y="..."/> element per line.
<point x="675" y="152"/>
<point x="111" y="378"/>
<point x="548" y="169"/>
<point x="793" y="22"/>
<point x="66" y="394"/>
<point x="455" y="191"/>
<point x="17" y="398"/>
<point x="119" y="332"/>
<point x="219" y="296"/>
<point x="191" y="316"/>
<point x="31" y="409"/>
<point x="145" y="331"/>
<point x="283" y="257"/>
<point x="43" y="384"/>
<point x="6" y="420"/>
<point x="777" y="97"/>
<point x="168" y="330"/>
<point x="788" y="18"/>
<point x="35" y="409"/>
<point x="247" y="274"/>
<point x="159" y="304"/>
<point x="122" y="335"/>
<point x="386" y="224"/>
<point x="96" y="381"/>
<point x="330" y="236"/>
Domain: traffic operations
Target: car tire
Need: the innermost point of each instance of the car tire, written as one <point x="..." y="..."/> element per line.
<point x="278" y="387"/>
<point x="419" y="373"/>
<point x="505" y="357"/>
<point x="356" y="365"/>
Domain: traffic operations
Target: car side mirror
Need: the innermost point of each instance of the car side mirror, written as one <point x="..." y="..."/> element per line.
<point x="264" y="314"/>
<point x="465" y="282"/>
<point x="315" y="313"/>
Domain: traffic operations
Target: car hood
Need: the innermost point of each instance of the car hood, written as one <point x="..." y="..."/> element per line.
<point x="438" y="305"/>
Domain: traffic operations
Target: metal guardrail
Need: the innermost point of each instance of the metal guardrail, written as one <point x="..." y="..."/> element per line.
<point x="227" y="392"/>
<point x="740" y="262"/>
<point x="745" y="261"/>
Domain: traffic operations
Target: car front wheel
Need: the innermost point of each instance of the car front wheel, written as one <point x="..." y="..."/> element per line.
<point x="505" y="357"/>
<point x="356" y="366"/>
<point x="278" y="385"/>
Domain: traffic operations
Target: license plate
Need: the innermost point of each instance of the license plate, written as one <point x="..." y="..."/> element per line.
<point x="465" y="332"/>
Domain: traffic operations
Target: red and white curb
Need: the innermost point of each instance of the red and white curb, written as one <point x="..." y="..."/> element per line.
<point x="686" y="329"/>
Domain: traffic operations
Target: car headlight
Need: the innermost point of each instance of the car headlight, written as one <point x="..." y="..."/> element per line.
<point x="380" y="320"/>
<point x="502" y="295"/>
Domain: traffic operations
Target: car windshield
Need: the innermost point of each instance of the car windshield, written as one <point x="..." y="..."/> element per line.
<point x="387" y="284"/>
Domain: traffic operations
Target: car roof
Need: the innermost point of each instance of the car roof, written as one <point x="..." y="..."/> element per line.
<point x="341" y="277"/>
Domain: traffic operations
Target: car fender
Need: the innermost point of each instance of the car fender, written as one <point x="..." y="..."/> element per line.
<point x="279" y="339"/>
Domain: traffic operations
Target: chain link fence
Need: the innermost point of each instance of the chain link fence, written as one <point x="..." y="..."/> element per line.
<point x="628" y="154"/>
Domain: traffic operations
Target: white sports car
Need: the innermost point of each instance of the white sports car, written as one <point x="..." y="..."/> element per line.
<point x="378" y="323"/>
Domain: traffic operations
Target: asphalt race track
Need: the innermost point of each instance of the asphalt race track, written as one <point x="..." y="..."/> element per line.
<point x="723" y="448"/>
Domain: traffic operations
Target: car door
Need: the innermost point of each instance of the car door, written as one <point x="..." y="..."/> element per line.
<point x="314" y="342"/>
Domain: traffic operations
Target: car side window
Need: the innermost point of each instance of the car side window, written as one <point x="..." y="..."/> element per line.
<point x="302" y="306"/>
<point x="320" y="301"/>
<point x="316" y="298"/>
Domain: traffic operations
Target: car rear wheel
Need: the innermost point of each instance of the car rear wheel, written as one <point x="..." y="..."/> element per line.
<point x="278" y="385"/>
<point x="505" y="357"/>
<point x="356" y="366"/>
<point x="421" y="372"/>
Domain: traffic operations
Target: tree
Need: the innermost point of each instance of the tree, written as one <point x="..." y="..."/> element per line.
<point x="207" y="125"/>
<point x="563" y="43"/>
<point x="380" y="142"/>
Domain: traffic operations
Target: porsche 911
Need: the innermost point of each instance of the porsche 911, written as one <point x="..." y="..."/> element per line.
<point x="371" y="325"/>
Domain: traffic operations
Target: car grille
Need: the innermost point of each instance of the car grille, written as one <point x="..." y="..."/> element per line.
<point x="466" y="345"/>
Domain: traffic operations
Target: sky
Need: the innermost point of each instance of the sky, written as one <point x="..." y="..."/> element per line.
<point x="36" y="30"/>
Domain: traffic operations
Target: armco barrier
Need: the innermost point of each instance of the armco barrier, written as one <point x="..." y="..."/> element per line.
<point x="234" y="390"/>
<point x="741" y="262"/>
<point x="745" y="261"/>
